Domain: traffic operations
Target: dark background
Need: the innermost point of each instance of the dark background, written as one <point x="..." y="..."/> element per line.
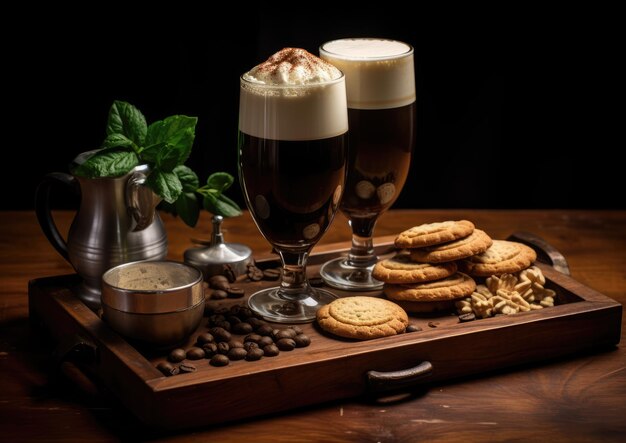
<point x="514" y="108"/>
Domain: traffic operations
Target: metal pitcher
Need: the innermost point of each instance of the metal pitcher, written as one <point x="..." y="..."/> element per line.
<point x="116" y="223"/>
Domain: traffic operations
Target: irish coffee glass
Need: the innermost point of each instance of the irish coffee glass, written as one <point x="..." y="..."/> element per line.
<point x="380" y="84"/>
<point x="292" y="153"/>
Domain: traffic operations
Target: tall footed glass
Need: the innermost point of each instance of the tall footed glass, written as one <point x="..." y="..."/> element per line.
<point x="380" y="84"/>
<point x="292" y="164"/>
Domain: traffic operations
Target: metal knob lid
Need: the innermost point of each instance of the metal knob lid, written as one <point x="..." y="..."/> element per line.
<point x="219" y="255"/>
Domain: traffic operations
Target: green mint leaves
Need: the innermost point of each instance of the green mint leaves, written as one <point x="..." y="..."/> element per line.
<point x="164" y="145"/>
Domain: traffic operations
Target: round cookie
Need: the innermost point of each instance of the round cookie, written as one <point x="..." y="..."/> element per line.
<point x="476" y="243"/>
<point x="456" y="286"/>
<point x="430" y="234"/>
<point x="401" y="269"/>
<point x="362" y="317"/>
<point x="503" y="257"/>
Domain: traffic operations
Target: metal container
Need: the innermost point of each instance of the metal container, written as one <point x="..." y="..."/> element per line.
<point x="156" y="302"/>
<point x="219" y="257"/>
<point x="116" y="223"/>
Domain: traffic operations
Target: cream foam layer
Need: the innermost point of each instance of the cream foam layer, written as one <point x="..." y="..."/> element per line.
<point x="379" y="73"/>
<point x="293" y="96"/>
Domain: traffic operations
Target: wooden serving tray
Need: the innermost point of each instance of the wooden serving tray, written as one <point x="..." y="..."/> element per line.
<point x="330" y="368"/>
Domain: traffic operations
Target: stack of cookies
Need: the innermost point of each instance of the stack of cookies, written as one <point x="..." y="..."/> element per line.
<point x="425" y="277"/>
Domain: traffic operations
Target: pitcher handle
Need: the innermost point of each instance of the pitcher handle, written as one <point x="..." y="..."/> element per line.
<point x="141" y="201"/>
<point x="44" y="215"/>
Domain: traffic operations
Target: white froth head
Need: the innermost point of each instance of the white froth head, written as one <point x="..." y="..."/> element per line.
<point x="379" y="72"/>
<point x="294" y="95"/>
<point x="292" y="66"/>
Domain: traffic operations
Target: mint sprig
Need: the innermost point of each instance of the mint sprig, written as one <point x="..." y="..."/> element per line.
<point x="164" y="145"/>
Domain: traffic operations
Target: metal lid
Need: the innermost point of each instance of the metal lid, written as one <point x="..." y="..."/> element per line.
<point x="214" y="259"/>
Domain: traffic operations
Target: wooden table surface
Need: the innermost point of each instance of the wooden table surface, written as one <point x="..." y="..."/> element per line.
<point x="580" y="398"/>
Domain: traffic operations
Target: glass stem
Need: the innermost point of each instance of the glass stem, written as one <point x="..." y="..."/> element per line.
<point x="294" y="284"/>
<point x="362" y="252"/>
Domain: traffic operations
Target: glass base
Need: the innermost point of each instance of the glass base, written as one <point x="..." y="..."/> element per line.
<point x="273" y="307"/>
<point x="339" y="274"/>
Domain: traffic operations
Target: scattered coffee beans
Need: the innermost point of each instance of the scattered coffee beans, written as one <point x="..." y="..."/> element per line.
<point x="219" y="360"/>
<point x="205" y="337"/>
<point x="186" y="368"/>
<point x="237" y="354"/>
<point x="413" y="328"/>
<point x="470" y="316"/>
<point x="235" y="292"/>
<point x="167" y="368"/>
<point x="177" y="355"/>
<point x="272" y="274"/>
<point x="219" y="282"/>
<point x="219" y="294"/>
<point x="195" y="353"/>
<point x="271" y="350"/>
<point x="254" y="354"/>
<point x="302" y="340"/>
<point x="286" y="344"/>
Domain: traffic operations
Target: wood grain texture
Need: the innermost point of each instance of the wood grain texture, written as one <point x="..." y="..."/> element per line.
<point x="579" y="398"/>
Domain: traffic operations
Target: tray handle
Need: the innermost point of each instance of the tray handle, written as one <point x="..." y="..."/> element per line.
<point x="546" y="253"/>
<point x="74" y="357"/>
<point x="379" y="382"/>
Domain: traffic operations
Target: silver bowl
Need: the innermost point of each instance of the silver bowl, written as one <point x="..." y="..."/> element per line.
<point x="156" y="302"/>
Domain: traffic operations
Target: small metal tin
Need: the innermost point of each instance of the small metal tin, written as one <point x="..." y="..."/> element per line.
<point x="156" y="302"/>
<point x="214" y="259"/>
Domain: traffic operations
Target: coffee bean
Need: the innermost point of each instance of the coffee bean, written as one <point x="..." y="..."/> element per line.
<point x="195" y="353"/>
<point x="177" y="355"/>
<point x="237" y="354"/>
<point x="255" y="322"/>
<point x="302" y="340"/>
<point x="245" y="313"/>
<point x="219" y="282"/>
<point x="265" y="340"/>
<point x="215" y="318"/>
<point x="285" y="333"/>
<point x="187" y="367"/>
<point x="210" y="349"/>
<point x="235" y="344"/>
<point x="264" y="330"/>
<point x="220" y="334"/>
<point x="271" y="274"/>
<point x="167" y="368"/>
<point x="413" y="328"/>
<point x="286" y="344"/>
<point x="219" y="294"/>
<point x="229" y="273"/>
<point x="250" y="345"/>
<point x="233" y="319"/>
<point x="252" y="337"/>
<point x="219" y="360"/>
<point x="235" y="292"/>
<point x="221" y="311"/>
<point x="433" y="324"/>
<point x="297" y="329"/>
<point x="470" y="316"/>
<point x="254" y="273"/>
<point x="223" y="324"/>
<point x="242" y="328"/>
<point x="205" y="337"/>
<point x="223" y="348"/>
<point x="316" y="282"/>
<point x="254" y="354"/>
<point x="271" y="350"/>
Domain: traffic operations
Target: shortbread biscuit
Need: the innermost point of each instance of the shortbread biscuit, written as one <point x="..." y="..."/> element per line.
<point x="430" y="234"/>
<point x="362" y="317"/>
<point x="503" y="257"/>
<point x="476" y="243"/>
<point x="401" y="269"/>
<point x="449" y="288"/>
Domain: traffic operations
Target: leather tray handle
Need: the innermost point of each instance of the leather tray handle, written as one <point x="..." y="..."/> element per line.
<point x="546" y="253"/>
<point x="379" y="382"/>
